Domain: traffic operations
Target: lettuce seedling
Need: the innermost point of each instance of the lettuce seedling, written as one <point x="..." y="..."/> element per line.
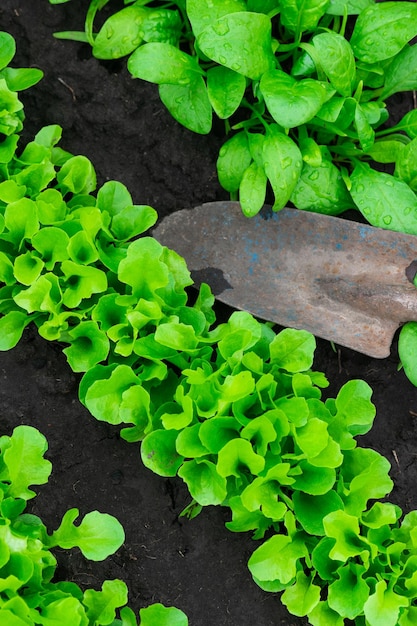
<point x="29" y="595"/>
<point x="27" y="565"/>
<point x="246" y="428"/>
<point x="11" y="108"/>
<point x="159" y="615"/>
<point x="365" y="564"/>
<point x="59" y="246"/>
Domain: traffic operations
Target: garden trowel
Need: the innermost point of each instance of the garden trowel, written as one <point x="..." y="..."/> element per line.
<point x="341" y="280"/>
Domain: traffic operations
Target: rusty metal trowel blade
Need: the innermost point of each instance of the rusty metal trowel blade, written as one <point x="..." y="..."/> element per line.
<point x="346" y="282"/>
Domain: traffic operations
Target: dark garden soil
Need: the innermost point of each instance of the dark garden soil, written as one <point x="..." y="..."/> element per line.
<point x="197" y="565"/>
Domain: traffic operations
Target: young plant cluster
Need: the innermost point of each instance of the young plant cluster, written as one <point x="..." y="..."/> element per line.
<point x="59" y="256"/>
<point x="28" y="595"/>
<point x="309" y="81"/>
<point x="59" y="246"/>
<point x="234" y="409"/>
<point x="303" y="89"/>
<point x="245" y="427"/>
<point x="12" y="80"/>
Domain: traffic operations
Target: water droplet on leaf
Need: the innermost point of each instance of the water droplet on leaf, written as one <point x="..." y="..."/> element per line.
<point x="286" y="162"/>
<point x="314" y="175"/>
<point x="221" y="28"/>
<point x="387" y="219"/>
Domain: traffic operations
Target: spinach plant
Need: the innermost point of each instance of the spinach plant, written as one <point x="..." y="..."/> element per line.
<point x="302" y="87"/>
<point x="28" y="594"/>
